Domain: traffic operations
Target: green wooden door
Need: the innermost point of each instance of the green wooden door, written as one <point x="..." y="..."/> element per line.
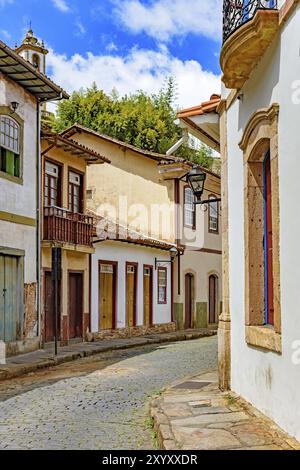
<point x="10" y="321"/>
<point x="2" y="293"/>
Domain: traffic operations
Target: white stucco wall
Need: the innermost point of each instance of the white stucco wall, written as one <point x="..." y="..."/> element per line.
<point x="201" y="265"/>
<point x="269" y="381"/>
<point x="200" y="237"/>
<point x="21" y="237"/>
<point x="122" y="253"/>
<point x="20" y="199"/>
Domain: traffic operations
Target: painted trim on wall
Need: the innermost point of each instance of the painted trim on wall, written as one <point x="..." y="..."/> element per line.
<point x="136" y="287"/>
<point x="210" y="251"/>
<point x="11" y="251"/>
<point x="17" y="219"/>
<point x="151" y="267"/>
<point x="115" y="264"/>
<point x="166" y="298"/>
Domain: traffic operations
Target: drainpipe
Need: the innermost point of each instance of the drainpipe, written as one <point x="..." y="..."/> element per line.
<point x="184" y="139"/>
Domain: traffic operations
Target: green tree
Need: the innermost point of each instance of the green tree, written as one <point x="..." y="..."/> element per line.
<point x="145" y="121"/>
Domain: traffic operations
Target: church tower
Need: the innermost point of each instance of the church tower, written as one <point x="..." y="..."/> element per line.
<point x="33" y="51"/>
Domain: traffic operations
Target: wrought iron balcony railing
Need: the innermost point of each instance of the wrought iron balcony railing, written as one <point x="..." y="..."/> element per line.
<point x="61" y="225"/>
<point x="238" y="12"/>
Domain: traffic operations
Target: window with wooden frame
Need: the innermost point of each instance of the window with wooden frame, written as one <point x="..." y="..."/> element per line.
<point x="52" y="183"/>
<point x="213" y="215"/>
<point x="10" y="136"/>
<point x="189" y="208"/>
<point x="75" y="192"/>
<point x="162" y="281"/>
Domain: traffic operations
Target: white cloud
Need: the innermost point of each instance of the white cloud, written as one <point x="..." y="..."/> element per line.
<point x="164" y="19"/>
<point x="81" y="31"/>
<point x="61" y="5"/>
<point x="112" y="47"/>
<point x="140" y="69"/>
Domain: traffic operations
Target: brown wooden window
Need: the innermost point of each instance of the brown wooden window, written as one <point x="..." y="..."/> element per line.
<point x="9" y="146"/>
<point x="162" y="285"/>
<point x="213" y="216"/>
<point x="189" y="208"/>
<point x="52" y="185"/>
<point x="75" y="192"/>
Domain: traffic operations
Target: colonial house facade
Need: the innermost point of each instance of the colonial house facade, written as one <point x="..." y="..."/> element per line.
<point x="22" y="90"/>
<point x="66" y="225"/>
<point x="258" y="123"/>
<point x="151" y="241"/>
<point x="198" y="269"/>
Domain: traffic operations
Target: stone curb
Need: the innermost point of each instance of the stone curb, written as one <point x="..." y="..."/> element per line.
<point x="163" y="429"/>
<point x="15" y="371"/>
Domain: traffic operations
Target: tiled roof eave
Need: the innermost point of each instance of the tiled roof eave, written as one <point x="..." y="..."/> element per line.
<point x="13" y="66"/>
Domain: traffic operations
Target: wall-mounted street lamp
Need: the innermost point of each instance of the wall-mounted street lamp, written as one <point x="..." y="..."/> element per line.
<point x="196" y="180"/>
<point x="173" y="255"/>
<point x="14" y="106"/>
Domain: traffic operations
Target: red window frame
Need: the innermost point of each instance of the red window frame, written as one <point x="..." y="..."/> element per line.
<point x="71" y="192"/>
<point x="165" y="301"/>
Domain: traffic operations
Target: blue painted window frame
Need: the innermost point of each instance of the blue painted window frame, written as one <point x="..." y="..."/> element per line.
<point x="266" y="274"/>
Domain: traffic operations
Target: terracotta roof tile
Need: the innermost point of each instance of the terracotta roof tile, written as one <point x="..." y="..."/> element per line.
<point x="204" y="108"/>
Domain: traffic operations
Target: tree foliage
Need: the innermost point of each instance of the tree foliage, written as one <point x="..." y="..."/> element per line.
<point x="145" y="121"/>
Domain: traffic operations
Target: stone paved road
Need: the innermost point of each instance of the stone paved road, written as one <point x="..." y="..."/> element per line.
<point x="99" y="402"/>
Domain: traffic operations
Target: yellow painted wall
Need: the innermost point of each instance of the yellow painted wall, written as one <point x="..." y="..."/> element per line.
<point x="137" y="178"/>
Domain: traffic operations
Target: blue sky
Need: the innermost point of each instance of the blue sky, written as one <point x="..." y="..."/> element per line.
<point x="126" y="44"/>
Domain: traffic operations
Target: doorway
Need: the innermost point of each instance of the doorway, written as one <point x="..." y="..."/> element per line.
<point x="75" y="304"/>
<point x="108" y="271"/>
<point x="131" y="293"/>
<point x="189" y="281"/>
<point x="49" y="309"/>
<point x="148" y="295"/>
<point x="11" y="293"/>
<point x="213" y="299"/>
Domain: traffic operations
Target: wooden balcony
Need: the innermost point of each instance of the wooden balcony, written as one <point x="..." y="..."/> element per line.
<point x="61" y="225"/>
<point x="249" y="27"/>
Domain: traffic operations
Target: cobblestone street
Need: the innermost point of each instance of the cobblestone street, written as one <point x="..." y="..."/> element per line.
<point x="99" y="402"/>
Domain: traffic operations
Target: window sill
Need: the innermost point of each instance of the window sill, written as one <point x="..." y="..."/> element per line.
<point x="264" y="337"/>
<point x="13" y="179"/>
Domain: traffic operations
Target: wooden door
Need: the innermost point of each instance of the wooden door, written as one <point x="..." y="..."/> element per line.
<point x="269" y="243"/>
<point x="10" y="321"/>
<point x="148" y="295"/>
<point x="188" y="301"/>
<point x="213" y="300"/>
<point x="107" y="295"/>
<point x="131" y="294"/>
<point x="49" y="308"/>
<point x="75" y="305"/>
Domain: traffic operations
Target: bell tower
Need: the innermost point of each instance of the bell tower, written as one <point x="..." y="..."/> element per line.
<point x="33" y="51"/>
